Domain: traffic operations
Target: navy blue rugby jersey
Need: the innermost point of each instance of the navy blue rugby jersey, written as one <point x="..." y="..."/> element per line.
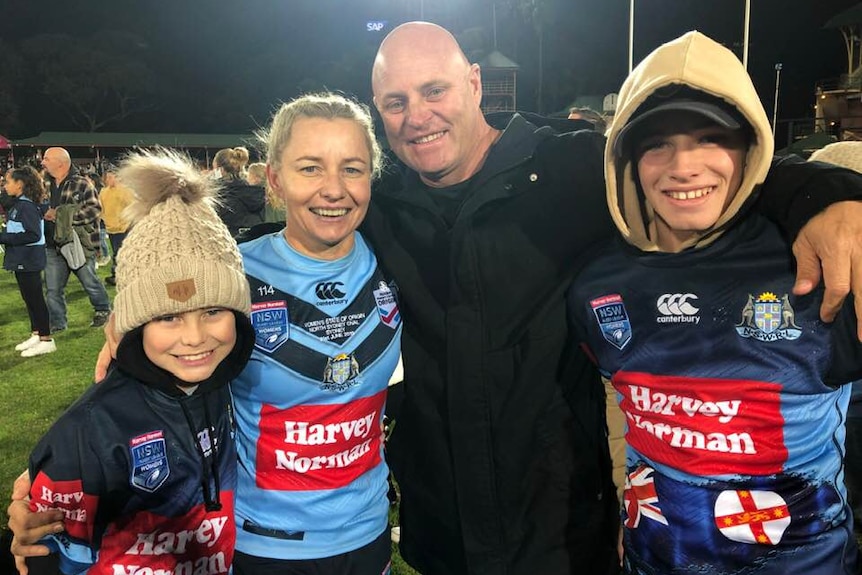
<point x="732" y="392"/>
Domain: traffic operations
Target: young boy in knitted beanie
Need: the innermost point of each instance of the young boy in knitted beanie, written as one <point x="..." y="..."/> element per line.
<point x="143" y="464"/>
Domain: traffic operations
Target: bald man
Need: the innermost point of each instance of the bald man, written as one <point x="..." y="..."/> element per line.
<point x="500" y="446"/>
<point x="69" y="187"/>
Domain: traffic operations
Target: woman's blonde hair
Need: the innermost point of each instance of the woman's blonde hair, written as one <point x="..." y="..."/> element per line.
<point x="326" y="105"/>
<point x="232" y="161"/>
<point x="257" y="171"/>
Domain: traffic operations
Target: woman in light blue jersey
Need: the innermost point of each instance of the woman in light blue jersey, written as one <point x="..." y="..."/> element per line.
<point x="312" y="481"/>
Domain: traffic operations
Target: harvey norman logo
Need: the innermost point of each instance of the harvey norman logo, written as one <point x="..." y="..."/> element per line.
<point x="677" y="308"/>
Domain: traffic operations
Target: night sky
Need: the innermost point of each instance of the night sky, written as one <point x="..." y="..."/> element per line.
<point x="221" y="66"/>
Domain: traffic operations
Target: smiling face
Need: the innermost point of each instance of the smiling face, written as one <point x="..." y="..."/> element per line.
<point x="324" y="178"/>
<point x="191" y="345"/>
<point x="689" y="169"/>
<point x="428" y="96"/>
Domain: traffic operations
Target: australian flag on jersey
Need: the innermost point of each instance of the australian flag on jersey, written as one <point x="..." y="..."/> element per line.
<point x="729" y="528"/>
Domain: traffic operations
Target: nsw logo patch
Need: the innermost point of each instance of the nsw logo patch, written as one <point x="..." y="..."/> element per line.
<point x="270" y="322"/>
<point x="613" y="319"/>
<point x="150" y="467"/>
<point x="340" y="372"/>
<point x="768" y="318"/>
<point x="387" y="306"/>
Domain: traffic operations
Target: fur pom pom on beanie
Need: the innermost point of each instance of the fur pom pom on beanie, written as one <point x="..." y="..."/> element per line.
<point x="178" y="255"/>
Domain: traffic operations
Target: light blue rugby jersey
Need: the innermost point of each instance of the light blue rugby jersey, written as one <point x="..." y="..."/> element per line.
<point x="312" y="481"/>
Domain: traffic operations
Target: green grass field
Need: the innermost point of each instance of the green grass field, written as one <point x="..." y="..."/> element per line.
<point x="34" y="391"/>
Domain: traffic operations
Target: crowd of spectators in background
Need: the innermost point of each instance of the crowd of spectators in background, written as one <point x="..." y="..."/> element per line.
<point x="244" y="202"/>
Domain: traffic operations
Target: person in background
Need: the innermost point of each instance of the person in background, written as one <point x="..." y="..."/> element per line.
<point x="732" y="387"/>
<point x="147" y="457"/>
<point x="115" y="197"/>
<point x="24" y="243"/>
<point x="104" y="256"/>
<point x="274" y="210"/>
<point x="231" y="162"/>
<point x="6" y="200"/>
<point x="256" y="174"/>
<point x="242" y="204"/>
<point x="74" y="205"/>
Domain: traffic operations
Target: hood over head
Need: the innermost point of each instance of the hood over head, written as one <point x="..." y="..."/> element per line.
<point x="693" y="74"/>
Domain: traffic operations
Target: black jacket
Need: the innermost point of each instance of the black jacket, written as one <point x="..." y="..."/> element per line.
<point x="490" y="459"/>
<point x="242" y="205"/>
<point x="500" y="443"/>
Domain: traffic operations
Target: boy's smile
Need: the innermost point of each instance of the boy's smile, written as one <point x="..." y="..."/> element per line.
<point x="191" y="345"/>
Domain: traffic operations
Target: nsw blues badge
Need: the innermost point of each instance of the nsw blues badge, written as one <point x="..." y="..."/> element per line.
<point x="613" y="319"/>
<point x="387" y="306"/>
<point x="150" y="467"/>
<point x="271" y="328"/>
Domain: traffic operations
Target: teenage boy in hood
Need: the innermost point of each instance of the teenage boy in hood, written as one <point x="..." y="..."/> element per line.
<point x="730" y="385"/>
<point x="143" y="466"/>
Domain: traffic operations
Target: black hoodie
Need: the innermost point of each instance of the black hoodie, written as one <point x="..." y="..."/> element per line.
<point x="242" y="205"/>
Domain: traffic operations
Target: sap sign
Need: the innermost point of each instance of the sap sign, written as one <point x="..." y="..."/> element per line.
<point x="375" y="25"/>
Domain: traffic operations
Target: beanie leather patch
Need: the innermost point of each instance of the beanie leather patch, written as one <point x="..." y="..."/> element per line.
<point x="181" y="290"/>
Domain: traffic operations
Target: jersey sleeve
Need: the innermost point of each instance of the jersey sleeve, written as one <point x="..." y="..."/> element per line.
<point x="66" y="474"/>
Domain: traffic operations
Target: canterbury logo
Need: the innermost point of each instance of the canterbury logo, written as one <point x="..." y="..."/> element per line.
<point x="677" y="304"/>
<point x="329" y="290"/>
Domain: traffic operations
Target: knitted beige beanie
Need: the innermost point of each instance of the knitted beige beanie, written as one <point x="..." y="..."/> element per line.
<point x="178" y="255"/>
